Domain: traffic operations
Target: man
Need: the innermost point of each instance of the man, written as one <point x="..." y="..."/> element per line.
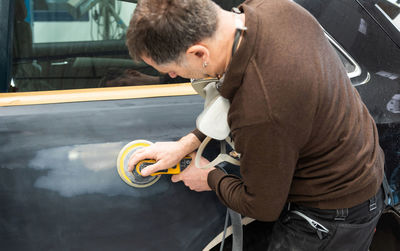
<point x="310" y="157"/>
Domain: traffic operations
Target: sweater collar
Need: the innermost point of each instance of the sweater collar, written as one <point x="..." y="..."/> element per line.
<point x="234" y="74"/>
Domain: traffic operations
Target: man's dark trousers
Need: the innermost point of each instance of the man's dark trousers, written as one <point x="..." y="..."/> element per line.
<point x="339" y="230"/>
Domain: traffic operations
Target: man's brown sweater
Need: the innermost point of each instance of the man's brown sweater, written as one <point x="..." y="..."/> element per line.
<point x="303" y="133"/>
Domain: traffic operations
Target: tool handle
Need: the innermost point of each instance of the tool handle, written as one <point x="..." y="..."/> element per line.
<point x="185" y="162"/>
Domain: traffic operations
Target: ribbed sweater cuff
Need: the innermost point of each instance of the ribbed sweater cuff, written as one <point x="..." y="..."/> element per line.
<point x="199" y="134"/>
<point x="214" y="177"/>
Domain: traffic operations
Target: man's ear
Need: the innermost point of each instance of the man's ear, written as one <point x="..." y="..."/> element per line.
<point x="199" y="51"/>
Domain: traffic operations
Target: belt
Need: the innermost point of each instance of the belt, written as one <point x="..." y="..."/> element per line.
<point x="343" y="214"/>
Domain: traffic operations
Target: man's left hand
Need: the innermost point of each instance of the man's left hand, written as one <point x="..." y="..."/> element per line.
<point x="193" y="177"/>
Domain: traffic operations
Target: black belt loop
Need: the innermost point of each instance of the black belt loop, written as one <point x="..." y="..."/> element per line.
<point x="372" y="203"/>
<point x="341" y="214"/>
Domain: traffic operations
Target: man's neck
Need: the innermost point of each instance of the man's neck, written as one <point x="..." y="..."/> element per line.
<point x="222" y="44"/>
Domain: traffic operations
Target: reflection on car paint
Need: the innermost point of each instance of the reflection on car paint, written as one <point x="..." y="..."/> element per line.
<point x="394" y="104"/>
<point x="59" y="63"/>
<point x="363" y="26"/>
<point x="389" y="75"/>
<point x="87" y="169"/>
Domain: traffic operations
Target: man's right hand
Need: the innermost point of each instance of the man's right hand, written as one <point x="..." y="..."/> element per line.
<point x="166" y="154"/>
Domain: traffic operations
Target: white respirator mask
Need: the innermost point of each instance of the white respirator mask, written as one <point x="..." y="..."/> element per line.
<point x="213" y="121"/>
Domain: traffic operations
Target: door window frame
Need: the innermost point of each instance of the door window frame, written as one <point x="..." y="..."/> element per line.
<point x="6" y="24"/>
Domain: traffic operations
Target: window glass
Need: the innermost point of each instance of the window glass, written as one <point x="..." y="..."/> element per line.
<point x="70" y="44"/>
<point x="391" y="10"/>
<point x="71" y="21"/>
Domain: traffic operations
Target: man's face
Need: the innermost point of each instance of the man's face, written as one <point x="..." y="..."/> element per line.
<point x="188" y="68"/>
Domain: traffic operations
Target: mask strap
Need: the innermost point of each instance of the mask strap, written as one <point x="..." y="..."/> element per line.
<point x="236" y="40"/>
<point x="223" y="156"/>
<point x="239" y="29"/>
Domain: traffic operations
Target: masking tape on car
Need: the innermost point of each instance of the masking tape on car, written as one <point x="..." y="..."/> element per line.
<point x="95" y="94"/>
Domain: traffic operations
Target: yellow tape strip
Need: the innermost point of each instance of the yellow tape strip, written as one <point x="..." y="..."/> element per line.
<point x="95" y="94"/>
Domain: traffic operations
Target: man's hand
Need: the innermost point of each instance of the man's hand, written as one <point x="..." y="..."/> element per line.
<point x="193" y="177"/>
<point x="166" y="154"/>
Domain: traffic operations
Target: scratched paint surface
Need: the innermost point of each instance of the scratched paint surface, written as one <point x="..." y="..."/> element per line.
<point x="60" y="190"/>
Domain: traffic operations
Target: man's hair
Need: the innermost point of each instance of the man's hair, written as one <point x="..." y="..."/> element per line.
<point x="163" y="29"/>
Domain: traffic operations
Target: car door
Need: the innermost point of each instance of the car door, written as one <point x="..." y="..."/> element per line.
<point x="74" y="99"/>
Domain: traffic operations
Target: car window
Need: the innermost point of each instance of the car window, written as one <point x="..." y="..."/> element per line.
<point x="73" y="44"/>
<point x="391" y="10"/>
